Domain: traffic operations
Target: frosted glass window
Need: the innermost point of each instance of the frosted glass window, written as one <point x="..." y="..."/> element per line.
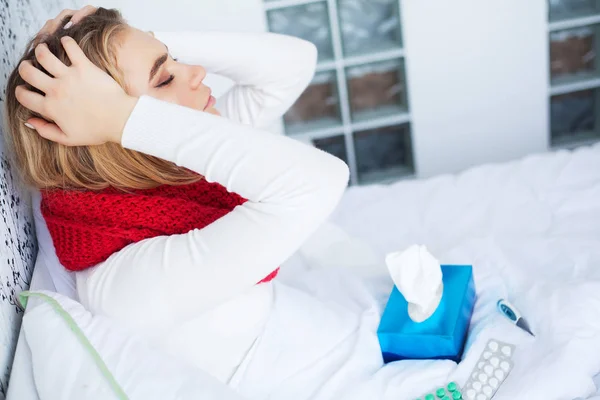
<point x="377" y="90"/>
<point x="309" y="22"/>
<point x="317" y="108"/>
<point x="574" y="116"/>
<point x="383" y="153"/>
<point x="573" y="54"/>
<point x="565" y="9"/>
<point x="356" y="107"/>
<point x="369" y="25"/>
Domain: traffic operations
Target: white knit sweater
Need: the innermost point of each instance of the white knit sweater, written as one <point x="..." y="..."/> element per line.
<point x="195" y="293"/>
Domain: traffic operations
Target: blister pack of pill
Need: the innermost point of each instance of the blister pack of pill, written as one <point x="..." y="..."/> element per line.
<point x="491" y="370"/>
<point x="449" y="392"/>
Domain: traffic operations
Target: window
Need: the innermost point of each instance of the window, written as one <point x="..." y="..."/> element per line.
<point x="382" y="152"/>
<point x="357" y="106"/>
<point x="565" y="9"/>
<point x="574" y="39"/>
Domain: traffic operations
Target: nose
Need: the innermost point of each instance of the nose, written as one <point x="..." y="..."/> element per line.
<point x="197" y="75"/>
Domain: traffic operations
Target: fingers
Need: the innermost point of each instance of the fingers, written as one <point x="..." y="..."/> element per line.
<point x="52" y="25"/>
<point x="49" y="61"/>
<point x="84" y="12"/>
<point x="61" y="16"/>
<point x="31" y="100"/>
<point x="49" y="130"/>
<point x="35" y="77"/>
<point x="76" y="55"/>
<point x="46" y="29"/>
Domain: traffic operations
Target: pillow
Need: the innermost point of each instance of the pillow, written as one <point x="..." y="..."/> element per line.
<point x="63" y="279"/>
<point x="76" y="355"/>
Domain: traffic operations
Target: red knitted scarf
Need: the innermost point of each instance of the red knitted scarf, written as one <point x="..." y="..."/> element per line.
<point x="88" y="226"/>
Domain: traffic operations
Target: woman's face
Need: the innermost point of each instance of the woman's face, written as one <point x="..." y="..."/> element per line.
<point x="149" y="70"/>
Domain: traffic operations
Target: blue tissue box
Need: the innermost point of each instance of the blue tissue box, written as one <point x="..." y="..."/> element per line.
<point x="443" y="335"/>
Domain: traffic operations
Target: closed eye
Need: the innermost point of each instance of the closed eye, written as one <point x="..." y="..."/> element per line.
<point x="166" y="82"/>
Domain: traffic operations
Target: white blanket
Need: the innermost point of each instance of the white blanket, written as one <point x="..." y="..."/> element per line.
<point x="531" y="229"/>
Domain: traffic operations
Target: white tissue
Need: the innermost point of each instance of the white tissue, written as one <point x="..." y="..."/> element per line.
<point x="418" y="276"/>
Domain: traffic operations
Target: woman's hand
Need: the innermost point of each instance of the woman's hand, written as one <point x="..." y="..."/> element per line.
<point x="87" y="106"/>
<point x="52" y="25"/>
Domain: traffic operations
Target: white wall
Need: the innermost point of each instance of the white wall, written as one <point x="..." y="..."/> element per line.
<point x="173" y="15"/>
<point x="477" y="79"/>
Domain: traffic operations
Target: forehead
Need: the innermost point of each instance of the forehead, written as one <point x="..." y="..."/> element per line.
<point x="136" y="54"/>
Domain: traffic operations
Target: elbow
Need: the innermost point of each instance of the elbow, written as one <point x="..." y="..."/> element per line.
<point x="311" y="54"/>
<point x="340" y="178"/>
<point x="332" y="182"/>
<point x="298" y="61"/>
<point x="341" y="173"/>
<point x="303" y="50"/>
<point x="306" y="55"/>
<point x="316" y="187"/>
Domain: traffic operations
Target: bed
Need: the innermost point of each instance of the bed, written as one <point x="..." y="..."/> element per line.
<point x="531" y="229"/>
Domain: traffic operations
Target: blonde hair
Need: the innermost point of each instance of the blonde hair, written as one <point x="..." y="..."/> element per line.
<point x="44" y="164"/>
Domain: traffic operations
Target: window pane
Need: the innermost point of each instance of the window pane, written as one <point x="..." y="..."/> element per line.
<point x="573" y="116"/>
<point x="572" y="54"/>
<point x="377" y="90"/>
<point x="317" y="107"/>
<point x="333" y="145"/>
<point x="309" y="22"/>
<point x="368" y="26"/>
<point x="564" y="9"/>
<point x="383" y="153"/>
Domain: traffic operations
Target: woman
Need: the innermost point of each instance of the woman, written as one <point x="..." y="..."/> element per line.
<point x="113" y="128"/>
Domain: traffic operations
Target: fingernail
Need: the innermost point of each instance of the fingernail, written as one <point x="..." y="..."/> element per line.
<point x="27" y="124"/>
<point x="68" y="25"/>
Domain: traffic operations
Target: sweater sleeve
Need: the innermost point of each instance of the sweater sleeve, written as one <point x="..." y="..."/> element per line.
<point x="291" y="188"/>
<point x="270" y="70"/>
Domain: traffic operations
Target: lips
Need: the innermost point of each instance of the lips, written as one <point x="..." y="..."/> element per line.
<point x="211" y="100"/>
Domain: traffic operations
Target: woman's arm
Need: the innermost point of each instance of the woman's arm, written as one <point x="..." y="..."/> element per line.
<point x="270" y="70"/>
<point x="291" y="188"/>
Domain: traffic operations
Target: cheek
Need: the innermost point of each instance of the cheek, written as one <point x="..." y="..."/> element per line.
<point x="183" y="95"/>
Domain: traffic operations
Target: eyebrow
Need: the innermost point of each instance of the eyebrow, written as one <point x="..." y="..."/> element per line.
<point x="157" y="64"/>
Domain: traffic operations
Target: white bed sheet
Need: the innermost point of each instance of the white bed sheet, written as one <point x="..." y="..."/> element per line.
<point x="534" y="222"/>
